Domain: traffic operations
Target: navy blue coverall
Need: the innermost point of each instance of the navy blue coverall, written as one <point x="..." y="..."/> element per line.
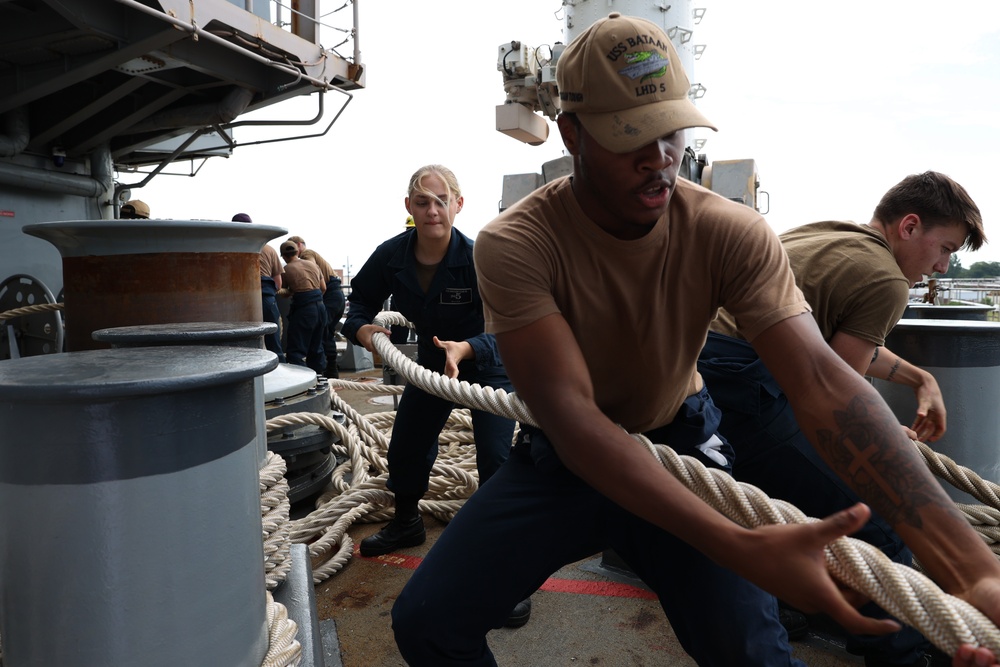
<point x="451" y="309"/>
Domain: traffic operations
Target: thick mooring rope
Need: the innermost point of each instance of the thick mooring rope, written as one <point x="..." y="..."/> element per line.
<point x="904" y="592"/>
<point x="283" y="650"/>
<point x="274" y="513"/>
<point x="29" y="310"/>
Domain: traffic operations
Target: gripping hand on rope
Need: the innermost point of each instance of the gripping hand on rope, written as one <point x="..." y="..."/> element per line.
<point x="984" y="596"/>
<point x="970" y="656"/>
<point x="454" y="351"/>
<point x="367" y="332"/>
<point x="930" y="422"/>
<point x="800" y="577"/>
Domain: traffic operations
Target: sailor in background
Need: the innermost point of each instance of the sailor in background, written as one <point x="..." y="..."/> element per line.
<point x="857" y="280"/>
<point x="430" y="275"/>
<point x="134" y="209"/>
<point x="305" y="283"/>
<point x="333" y="299"/>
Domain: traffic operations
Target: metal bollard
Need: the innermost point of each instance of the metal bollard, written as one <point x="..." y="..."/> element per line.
<point x="230" y="334"/>
<point x="130" y="272"/>
<point x="130" y="525"/>
<point x="962" y="311"/>
<point x="964" y="358"/>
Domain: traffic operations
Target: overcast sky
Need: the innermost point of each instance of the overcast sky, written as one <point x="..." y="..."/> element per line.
<point x="835" y="102"/>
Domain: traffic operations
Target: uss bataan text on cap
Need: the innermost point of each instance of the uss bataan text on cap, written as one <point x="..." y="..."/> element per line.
<point x="624" y="81"/>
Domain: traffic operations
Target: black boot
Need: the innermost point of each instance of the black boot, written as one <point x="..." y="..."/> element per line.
<point x="405" y="530"/>
<point x="520" y="615"/>
<point x="796" y="623"/>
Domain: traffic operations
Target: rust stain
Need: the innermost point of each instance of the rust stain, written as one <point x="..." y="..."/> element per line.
<point x="642" y="620"/>
<point x="157" y="288"/>
<point x="353" y="599"/>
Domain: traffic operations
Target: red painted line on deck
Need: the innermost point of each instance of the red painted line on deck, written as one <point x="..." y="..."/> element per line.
<point x="608" y="589"/>
<point x="399" y="560"/>
<point x="553" y="585"/>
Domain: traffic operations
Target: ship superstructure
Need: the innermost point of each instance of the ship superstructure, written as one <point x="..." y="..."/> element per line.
<point x="99" y="96"/>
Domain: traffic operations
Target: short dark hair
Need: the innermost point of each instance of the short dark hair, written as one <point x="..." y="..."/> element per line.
<point x="938" y="200"/>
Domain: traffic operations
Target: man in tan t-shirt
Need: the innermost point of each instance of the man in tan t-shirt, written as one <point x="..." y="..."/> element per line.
<point x="307" y="316"/>
<point x="333" y="300"/>
<point x="600" y="288"/>
<point x="857" y="279"/>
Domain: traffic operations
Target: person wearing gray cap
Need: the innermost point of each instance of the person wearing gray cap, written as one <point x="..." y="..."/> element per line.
<point x="596" y="360"/>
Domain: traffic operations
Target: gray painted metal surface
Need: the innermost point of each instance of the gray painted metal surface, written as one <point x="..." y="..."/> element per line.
<point x="232" y="334"/>
<point x="288" y="380"/>
<point x="930" y="311"/>
<point x="355" y="358"/>
<point x="80" y="238"/>
<point x="297" y="594"/>
<point x="331" y="643"/>
<point x="964" y="358"/>
<point x="142" y="462"/>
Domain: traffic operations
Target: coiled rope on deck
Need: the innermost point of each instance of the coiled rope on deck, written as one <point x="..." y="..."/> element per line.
<point x="357" y="490"/>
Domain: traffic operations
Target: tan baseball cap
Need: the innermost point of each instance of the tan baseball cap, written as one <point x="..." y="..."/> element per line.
<point x="134" y="209"/>
<point x="624" y="81"/>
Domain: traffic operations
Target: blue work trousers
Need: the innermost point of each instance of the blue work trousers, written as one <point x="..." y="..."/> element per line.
<point x="269" y="309"/>
<point x="773" y="454"/>
<point x="333" y="301"/>
<point x="306" y="326"/>
<point x="419" y="419"/>
<point x="533" y="517"/>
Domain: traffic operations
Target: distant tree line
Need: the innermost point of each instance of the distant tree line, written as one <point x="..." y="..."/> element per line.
<point x="977" y="270"/>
